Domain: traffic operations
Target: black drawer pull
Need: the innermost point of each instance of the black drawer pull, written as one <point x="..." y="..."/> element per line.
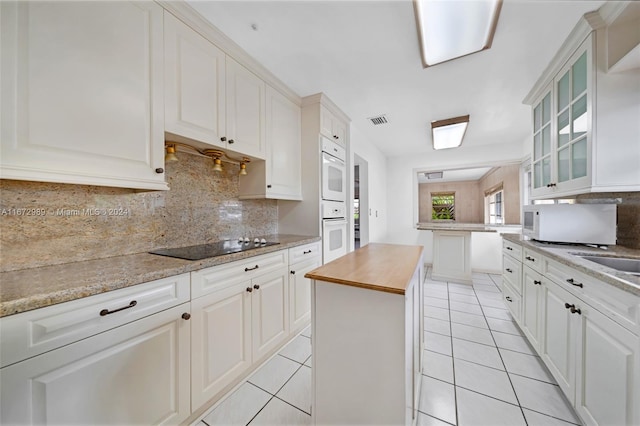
<point x="530" y="258"/>
<point x="508" y="299"/>
<point x="293" y="272"/>
<point x="186" y="316"/>
<point x="256" y="286"/>
<point x="509" y="248"/>
<point x="536" y="282"/>
<point x="107" y="312"/>
<point x="251" y="269"/>
<point x="573" y="309"/>
<point x="306" y="252"/>
<point x="572" y="282"/>
<point x="249" y="289"/>
<point x="509" y="270"/>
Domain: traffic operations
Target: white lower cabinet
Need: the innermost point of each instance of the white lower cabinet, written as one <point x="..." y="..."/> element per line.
<point x="135" y="374"/>
<point x="234" y="326"/>
<point x="587" y="338"/>
<point x="300" y="293"/>
<point x="221" y="340"/>
<point x="532" y="298"/>
<point x="608" y="371"/>
<point x="559" y="337"/>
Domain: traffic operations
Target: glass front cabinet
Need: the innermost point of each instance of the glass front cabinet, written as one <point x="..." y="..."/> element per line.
<point x="562" y="123"/>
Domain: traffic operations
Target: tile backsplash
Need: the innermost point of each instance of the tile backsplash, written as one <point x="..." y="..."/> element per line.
<point x="69" y="223"/>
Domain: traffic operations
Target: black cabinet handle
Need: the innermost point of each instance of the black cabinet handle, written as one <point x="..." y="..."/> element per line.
<point x="186" y="316"/>
<point x="249" y="289"/>
<point x="509" y="270"/>
<point x="536" y="282"/>
<point x="251" y="269"/>
<point x="223" y="139"/>
<point x="292" y="272"/>
<point x="256" y="286"/>
<point x="573" y="309"/>
<point x="268" y="186"/>
<point x="530" y="259"/>
<point x="508" y="299"/>
<point x="306" y="252"/>
<point x="107" y="312"/>
<point x="572" y="282"/>
<point x="509" y="248"/>
<point x="551" y="185"/>
<point x="159" y="170"/>
<point x="231" y="141"/>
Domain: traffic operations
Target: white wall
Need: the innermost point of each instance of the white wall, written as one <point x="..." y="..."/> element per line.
<point x="377" y="185"/>
<point x="402" y="185"/>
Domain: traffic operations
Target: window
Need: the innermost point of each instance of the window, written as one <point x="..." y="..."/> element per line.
<point x="443" y="206"/>
<point x="495" y="209"/>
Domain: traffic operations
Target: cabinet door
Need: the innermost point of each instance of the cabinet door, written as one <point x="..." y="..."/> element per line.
<point x="134" y="374"/>
<point x="542" y="155"/>
<point x="245" y="111"/>
<point x="608" y="379"/>
<point x="559" y="337"/>
<point x="573" y="120"/>
<point x="300" y="294"/>
<point x="340" y="130"/>
<point x="221" y="340"/>
<point x="194" y="84"/>
<point x="532" y="298"/>
<point x="326" y="123"/>
<point x="82" y="103"/>
<point x="270" y="312"/>
<point x="283" y="174"/>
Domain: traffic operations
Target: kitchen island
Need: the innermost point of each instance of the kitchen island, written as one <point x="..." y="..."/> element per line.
<point x="367" y="336"/>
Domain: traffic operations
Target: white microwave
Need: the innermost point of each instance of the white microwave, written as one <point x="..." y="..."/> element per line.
<point x="571" y="223"/>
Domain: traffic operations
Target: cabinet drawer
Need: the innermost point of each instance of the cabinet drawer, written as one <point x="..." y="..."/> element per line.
<point x="34" y="332"/>
<point x="619" y="305"/>
<point x="565" y="276"/>
<point x="532" y="259"/>
<point x="512" y="272"/>
<point x="512" y="300"/>
<point x="219" y="277"/>
<point x="512" y="249"/>
<point x="304" y="253"/>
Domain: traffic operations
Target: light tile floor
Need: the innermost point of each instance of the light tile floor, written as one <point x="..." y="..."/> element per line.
<point x="478" y="370"/>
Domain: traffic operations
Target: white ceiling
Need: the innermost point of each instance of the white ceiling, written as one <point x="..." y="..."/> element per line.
<point x="365" y="56"/>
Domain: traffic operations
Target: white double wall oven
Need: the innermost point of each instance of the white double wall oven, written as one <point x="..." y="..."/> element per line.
<point x="334" y="197"/>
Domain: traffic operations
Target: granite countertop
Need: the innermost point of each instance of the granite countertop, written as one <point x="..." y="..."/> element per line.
<point x="467" y="227"/>
<point x="28" y="289"/>
<point x="382" y="267"/>
<point x="568" y="255"/>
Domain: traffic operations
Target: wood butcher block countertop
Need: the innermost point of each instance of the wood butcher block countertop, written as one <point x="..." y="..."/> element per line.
<point x="381" y="267"/>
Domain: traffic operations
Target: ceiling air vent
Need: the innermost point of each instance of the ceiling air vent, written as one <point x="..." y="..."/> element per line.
<point x="378" y="120"/>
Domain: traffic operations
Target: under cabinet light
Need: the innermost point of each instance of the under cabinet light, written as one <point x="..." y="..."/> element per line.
<point x="449" y="133"/>
<point x="215" y="154"/>
<point x="451" y="29"/>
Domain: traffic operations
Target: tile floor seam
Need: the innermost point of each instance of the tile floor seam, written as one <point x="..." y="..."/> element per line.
<point x="263" y="407"/>
<point x="505" y="369"/>
<point x="553" y="417"/>
<point x="533" y="378"/>
<point x="291" y="359"/>
<point x="437" y="418"/>
<point x="453" y="365"/>
<point x="288" y="403"/>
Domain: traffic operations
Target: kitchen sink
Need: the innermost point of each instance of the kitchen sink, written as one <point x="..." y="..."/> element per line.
<point x="622" y="264"/>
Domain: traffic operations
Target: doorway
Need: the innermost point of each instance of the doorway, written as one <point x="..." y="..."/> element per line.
<point x="360" y="202"/>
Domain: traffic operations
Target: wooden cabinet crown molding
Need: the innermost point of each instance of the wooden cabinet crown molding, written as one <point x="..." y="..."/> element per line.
<point x="187" y="14"/>
<point x="323" y="99"/>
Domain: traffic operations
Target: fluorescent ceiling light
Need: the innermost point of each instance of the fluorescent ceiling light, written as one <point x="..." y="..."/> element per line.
<point x="449" y="133"/>
<point x="434" y="175"/>
<point x="450" y="29"/>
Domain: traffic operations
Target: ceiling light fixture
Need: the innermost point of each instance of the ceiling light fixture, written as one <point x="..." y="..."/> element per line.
<point x="449" y="133"/>
<point x="434" y="175"/>
<point x="217" y="156"/>
<point x="451" y="29"/>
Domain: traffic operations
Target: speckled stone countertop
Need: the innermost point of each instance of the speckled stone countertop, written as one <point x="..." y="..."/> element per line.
<point x="28" y="289"/>
<point x="468" y="227"/>
<point x="569" y="255"/>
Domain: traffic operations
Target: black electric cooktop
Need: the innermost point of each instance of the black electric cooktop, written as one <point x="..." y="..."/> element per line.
<point x="204" y="251"/>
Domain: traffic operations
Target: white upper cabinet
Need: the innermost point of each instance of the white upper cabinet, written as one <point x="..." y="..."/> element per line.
<point x="585" y="137"/>
<point x="245" y="111"/>
<point x="194" y="85"/>
<point x="82" y="93"/>
<point x="279" y="176"/>
<point x="211" y="99"/>
<point x="332" y="127"/>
